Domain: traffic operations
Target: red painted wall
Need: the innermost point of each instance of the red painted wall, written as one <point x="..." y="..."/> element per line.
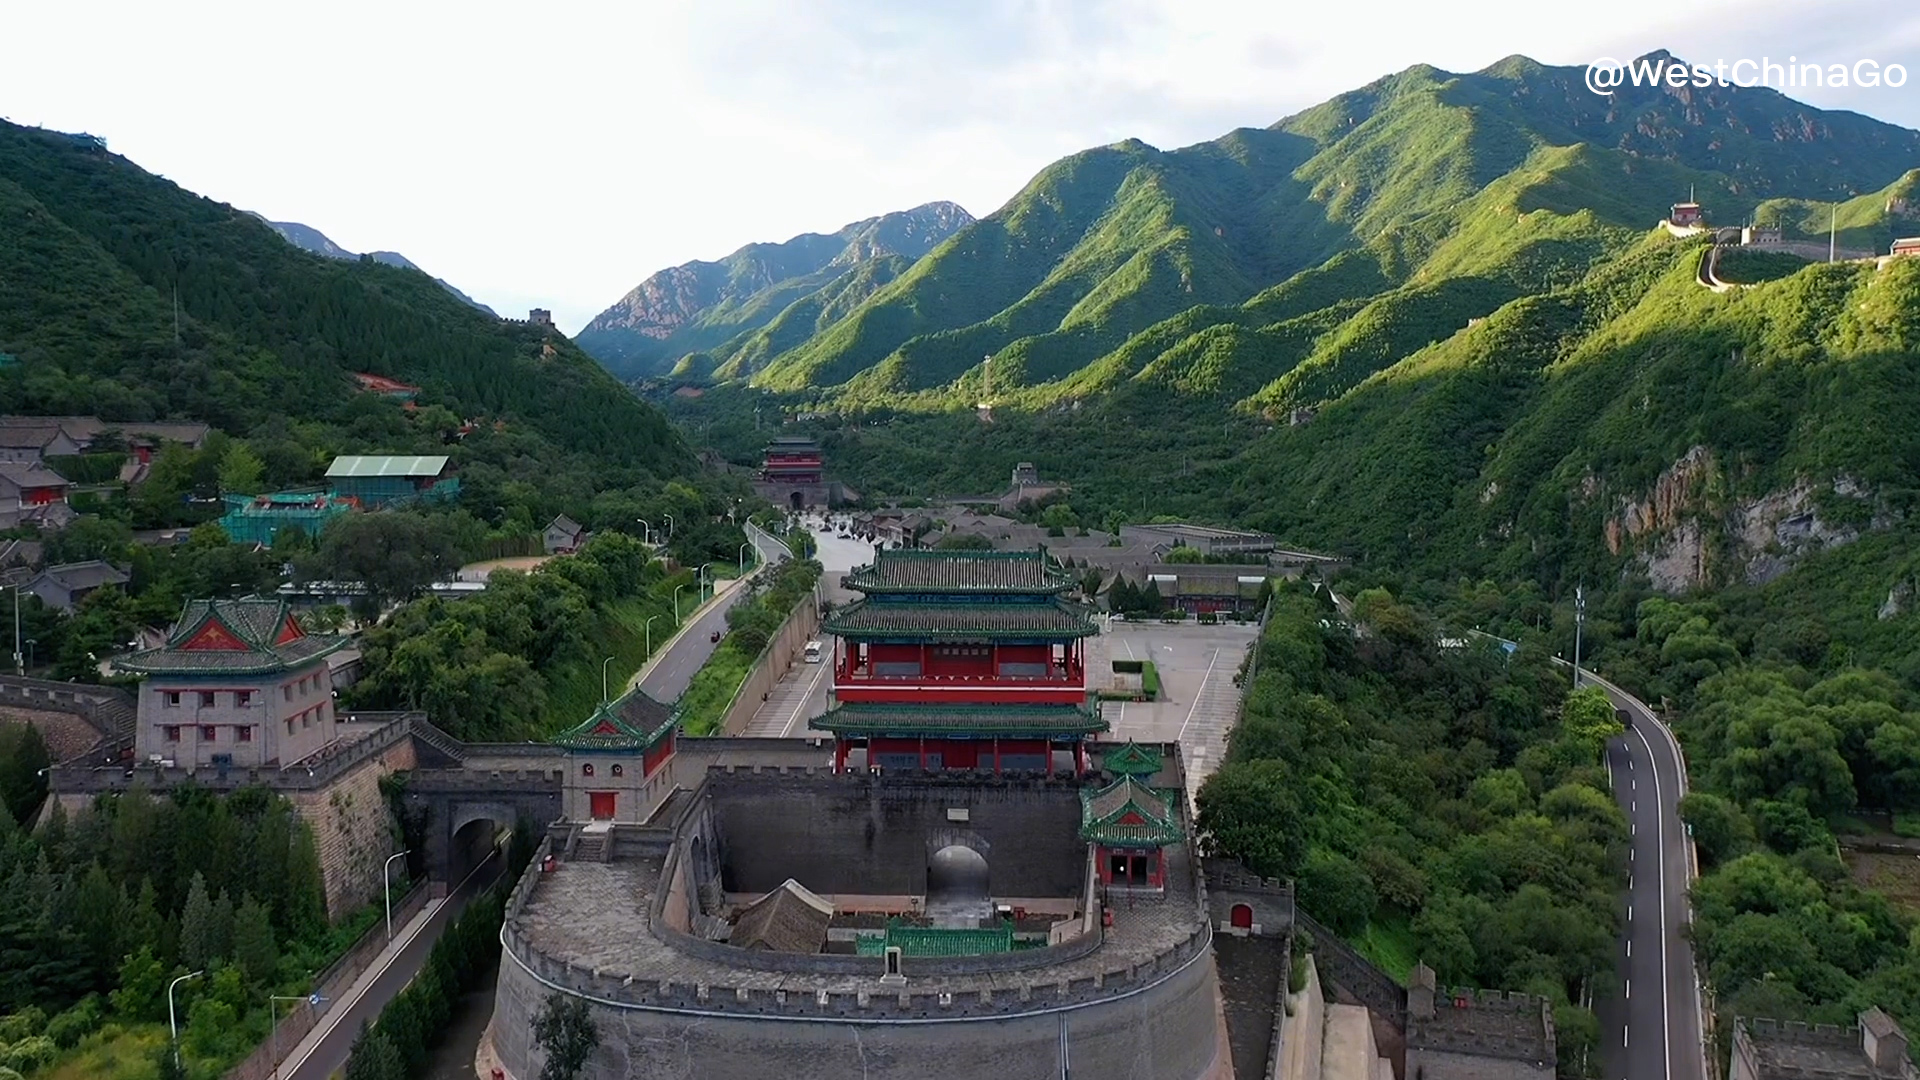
<point x="656" y="757"/>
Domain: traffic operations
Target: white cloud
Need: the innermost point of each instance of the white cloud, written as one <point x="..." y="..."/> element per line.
<point x="556" y="154"/>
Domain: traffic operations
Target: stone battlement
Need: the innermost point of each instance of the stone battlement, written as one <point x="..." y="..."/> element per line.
<point x="878" y="1003"/>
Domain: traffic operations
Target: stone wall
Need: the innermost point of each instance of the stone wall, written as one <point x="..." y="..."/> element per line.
<point x="1162" y="1030"/>
<point x="66" y="734"/>
<point x="781" y="653"/>
<point x="352" y="827"/>
<point x="867" y="834"/>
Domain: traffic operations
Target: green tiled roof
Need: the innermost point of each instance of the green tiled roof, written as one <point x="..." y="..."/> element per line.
<point x="1053" y="621"/>
<point x="386" y="465"/>
<point x="254" y="624"/>
<point x="1127" y="813"/>
<point x="907" y="720"/>
<point x="918" y="571"/>
<point x="633" y="722"/>
<point x="1132" y="760"/>
<point x="934" y="941"/>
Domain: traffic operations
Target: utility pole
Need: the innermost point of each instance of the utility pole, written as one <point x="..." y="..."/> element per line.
<point x="1833" y="232"/>
<point x="19" y="666"/>
<point x="1579" y="617"/>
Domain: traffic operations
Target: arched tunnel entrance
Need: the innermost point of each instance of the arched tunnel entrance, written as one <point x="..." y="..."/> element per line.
<point x="474" y="841"/>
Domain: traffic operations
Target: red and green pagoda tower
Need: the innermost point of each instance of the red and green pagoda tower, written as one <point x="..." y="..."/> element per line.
<point x="961" y="660"/>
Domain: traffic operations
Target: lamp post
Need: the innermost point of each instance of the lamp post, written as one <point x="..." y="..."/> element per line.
<point x="273" y="1021"/>
<point x="1579" y="616"/>
<point x="603" y="679"/>
<point x="19" y="666"/>
<point x="650" y="619"/>
<point x="703" y="573"/>
<point x="31" y="642"/>
<point x="669" y="518"/>
<point x="388" y="890"/>
<point x="743" y="556"/>
<point x="676" y="604"/>
<point x="649" y="530"/>
<point x="173" y="1027"/>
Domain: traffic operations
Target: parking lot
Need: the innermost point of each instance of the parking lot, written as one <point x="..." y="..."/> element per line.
<point x="1198" y="701"/>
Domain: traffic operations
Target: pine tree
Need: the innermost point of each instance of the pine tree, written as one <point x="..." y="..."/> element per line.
<point x="306" y="913"/>
<point x="564" y="1029"/>
<point x="197" y="938"/>
<point x="374" y="1057"/>
<point x="253" y="945"/>
<point x="1150" y="599"/>
<point x="95" y="913"/>
<point x="220" y="928"/>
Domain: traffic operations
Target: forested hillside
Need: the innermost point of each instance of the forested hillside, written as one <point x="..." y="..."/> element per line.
<point x="1430" y="322"/>
<point x="122" y="295"/>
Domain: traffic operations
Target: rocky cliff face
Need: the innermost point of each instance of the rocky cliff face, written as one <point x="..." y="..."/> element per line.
<point x="1689" y="533"/>
<point x="698" y="305"/>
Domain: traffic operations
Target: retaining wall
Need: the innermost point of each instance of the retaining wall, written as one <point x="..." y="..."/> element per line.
<point x="333" y="983"/>
<point x="781" y="653"/>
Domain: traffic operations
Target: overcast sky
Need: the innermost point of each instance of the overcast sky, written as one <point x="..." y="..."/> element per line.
<point x="555" y="154"/>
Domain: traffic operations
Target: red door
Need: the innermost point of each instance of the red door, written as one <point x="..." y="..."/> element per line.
<point x="1241" y="917"/>
<point x="601" y="803"/>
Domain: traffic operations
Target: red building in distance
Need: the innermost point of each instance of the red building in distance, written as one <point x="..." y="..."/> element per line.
<point x="961" y="660"/>
<point x="792" y="459"/>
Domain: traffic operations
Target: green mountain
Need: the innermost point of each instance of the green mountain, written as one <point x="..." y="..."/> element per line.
<point x="125" y="296"/>
<point x="762" y="297"/>
<point x="1430" y="321"/>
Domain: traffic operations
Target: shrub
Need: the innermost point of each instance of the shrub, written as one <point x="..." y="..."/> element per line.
<point x="67" y="1029"/>
<point x="32" y="1053"/>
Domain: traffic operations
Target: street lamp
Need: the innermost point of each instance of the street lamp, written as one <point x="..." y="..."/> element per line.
<point x="669" y="518"/>
<point x="388" y="889"/>
<point x="273" y="1022"/>
<point x="31" y="642"/>
<point x="650" y="619"/>
<point x="173" y="1027"/>
<point x="743" y="556"/>
<point x="19" y="666"/>
<point x="703" y="573"/>
<point x="603" y="679"/>
<point x="1579" y="616"/>
<point x="676" y="603"/>
<point x="649" y="529"/>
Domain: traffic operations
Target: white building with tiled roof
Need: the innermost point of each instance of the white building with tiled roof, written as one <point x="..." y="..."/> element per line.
<point x="238" y="683"/>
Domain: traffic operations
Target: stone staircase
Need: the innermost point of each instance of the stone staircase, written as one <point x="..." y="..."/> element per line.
<point x="426" y="733"/>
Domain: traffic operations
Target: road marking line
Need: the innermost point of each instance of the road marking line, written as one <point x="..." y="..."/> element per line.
<point x="1629" y="948"/>
<point x="787" y="731"/>
<point x="1629" y="992"/>
<point x="1666" y="979"/>
<point x="1196" y="697"/>
<point x="1629" y="912"/>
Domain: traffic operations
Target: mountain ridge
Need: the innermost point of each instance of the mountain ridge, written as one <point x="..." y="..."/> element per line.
<point x="701" y="305"/>
<point x="308" y="238"/>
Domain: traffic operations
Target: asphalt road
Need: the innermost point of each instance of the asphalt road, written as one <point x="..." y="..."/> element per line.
<point x="671" y="673"/>
<point x="1652" y="1030"/>
<point x="342" y="1025"/>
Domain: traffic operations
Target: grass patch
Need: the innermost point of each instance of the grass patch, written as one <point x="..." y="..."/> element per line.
<point x="1895" y="876"/>
<point x="704" y="705"/>
<point x="619" y="631"/>
<point x="115" y="1052"/>
<point x="1907" y="825"/>
<point x="1388" y="942"/>
<point x="1150" y="680"/>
